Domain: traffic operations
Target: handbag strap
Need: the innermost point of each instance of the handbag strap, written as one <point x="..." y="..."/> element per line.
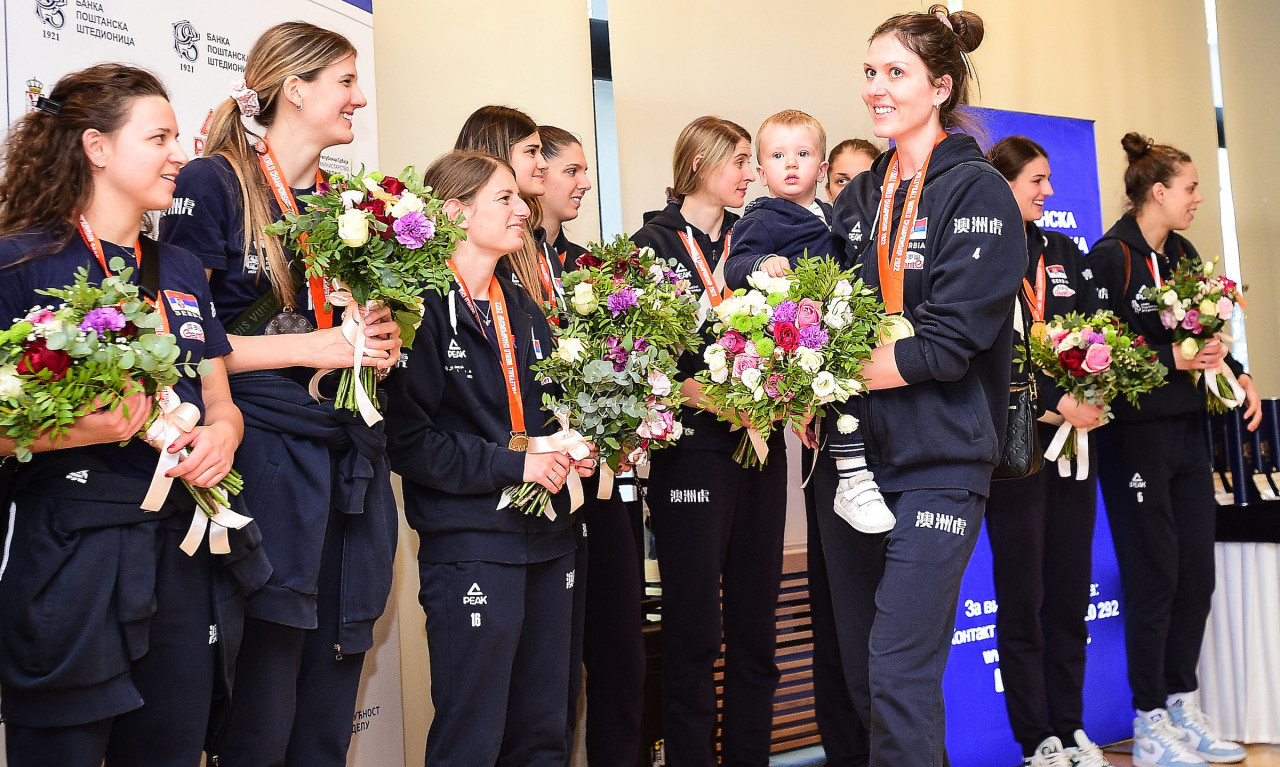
<point x="149" y="279"/>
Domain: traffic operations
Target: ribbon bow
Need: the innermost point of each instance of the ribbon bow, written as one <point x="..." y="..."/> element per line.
<point x="566" y="440"/>
<point x="174" y="419"/>
<point x="353" y="330"/>
<point x="1080" y="436"/>
<point x="246" y="98"/>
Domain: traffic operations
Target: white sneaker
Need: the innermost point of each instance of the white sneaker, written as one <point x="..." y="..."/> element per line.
<point x="1086" y="753"/>
<point x="1192" y="723"/>
<point x="858" y="502"/>
<point x="1156" y="743"/>
<point x="1048" y="754"/>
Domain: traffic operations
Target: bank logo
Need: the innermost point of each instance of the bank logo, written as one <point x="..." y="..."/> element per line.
<point x="35" y="89"/>
<point x="50" y="12"/>
<point x="185" y="37"/>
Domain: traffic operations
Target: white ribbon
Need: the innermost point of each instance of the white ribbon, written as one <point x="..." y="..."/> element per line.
<point x="1237" y="391"/>
<point x="566" y="440"/>
<point x="353" y="330"/>
<point x="1059" y="443"/>
<point x="636" y="458"/>
<point x="175" y="419"/>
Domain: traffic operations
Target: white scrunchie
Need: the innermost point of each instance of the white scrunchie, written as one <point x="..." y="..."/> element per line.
<point x="246" y="97"/>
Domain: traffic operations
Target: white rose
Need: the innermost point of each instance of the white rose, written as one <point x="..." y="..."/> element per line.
<point x="751" y="378"/>
<point x="1209" y="308"/>
<point x="714" y="356"/>
<point x="408" y="203"/>
<point x="720" y="375"/>
<point x="778" y="285"/>
<point x="677" y="429"/>
<point x="353" y="228"/>
<point x="657" y="273"/>
<point x="1179" y="311"/>
<point x="729" y="307"/>
<point x="824" y="385"/>
<point x="570" y="350"/>
<point x="1169" y="297"/>
<point x="809" y="360"/>
<point x="757" y="393"/>
<point x="759" y="280"/>
<point x="1072" y="340"/>
<point x="352" y="198"/>
<point x="1208" y="268"/>
<point x="584" y="300"/>
<point x="843" y="288"/>
<point x="838" y="313"/>
<point x="755" y="302"/>
<point x="10" y="383"/>
<point x="370" y="184"/>
<point x="846" y="424"/>
<point x="1189" y="347"/>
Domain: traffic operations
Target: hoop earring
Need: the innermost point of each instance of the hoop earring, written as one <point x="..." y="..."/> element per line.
<point x="297" y="107"/>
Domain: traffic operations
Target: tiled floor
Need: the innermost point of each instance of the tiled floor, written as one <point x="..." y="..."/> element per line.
<point x="1259" y="756"/>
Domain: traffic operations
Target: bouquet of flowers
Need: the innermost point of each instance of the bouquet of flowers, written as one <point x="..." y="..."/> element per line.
<point x="1094" y="359"/>
<point x="1196" y="305"/>
<point x="376" y="241"/>
<point x="788" y="346"/>
<point x="97" y="347"/>
<point x="615" y="358"/>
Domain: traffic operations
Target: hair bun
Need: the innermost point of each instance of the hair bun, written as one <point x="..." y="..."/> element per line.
<point x="1136" y="145"/>
<point x="966" y="25"/>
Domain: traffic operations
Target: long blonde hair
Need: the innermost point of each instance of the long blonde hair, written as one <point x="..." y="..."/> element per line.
<point x="294" y="48"/>
<point x="706" y="143"/>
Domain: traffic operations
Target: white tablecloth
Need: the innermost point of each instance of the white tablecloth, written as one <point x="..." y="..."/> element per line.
<point x="1240" y="662"/>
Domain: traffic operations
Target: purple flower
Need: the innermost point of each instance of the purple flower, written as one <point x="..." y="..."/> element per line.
<point x="639" y="345"/>
<point x="1097" y="338"/>
<point x="671" y="277"/>
<point x="621" y="301"/>
<point x="617" y="354"/>
<point x="322" y="187"/>
<point x="785" y="312"/>
<point x="102" y="320"/>
<point x="813" y="337"/>
<point x="1191" y="319"/>
<point x="771" y="386"/>
<point x="413" y="230"/>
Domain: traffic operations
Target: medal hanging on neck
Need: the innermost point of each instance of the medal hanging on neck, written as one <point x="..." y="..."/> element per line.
<point x="896" y="326"/>
<point x="506" y="355"/>
<point x="318" y="286"/>
<point x="95" y="246"/>
<point x="1035" y="299"/>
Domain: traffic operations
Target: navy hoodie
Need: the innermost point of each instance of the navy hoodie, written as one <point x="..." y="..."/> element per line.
<point x="964" y="266"/>
<point x="661" y="232"/>
<point x="448" y="426"/>
<point x="1118" y="288"/>
<point x="1065" y="289"/>
<point x="773" y="226"/>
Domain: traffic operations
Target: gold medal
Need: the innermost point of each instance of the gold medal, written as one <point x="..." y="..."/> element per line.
<point x="1039" y="331"/>
<point x="895" y="327"/>
<point x="519" y="442"/>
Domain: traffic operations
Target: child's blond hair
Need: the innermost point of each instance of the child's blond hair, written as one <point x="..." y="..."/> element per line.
<point x="793" y="117"/>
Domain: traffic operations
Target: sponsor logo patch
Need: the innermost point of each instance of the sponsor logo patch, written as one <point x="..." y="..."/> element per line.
<point x="914" y="260"/>
<point x="192" y="330"/>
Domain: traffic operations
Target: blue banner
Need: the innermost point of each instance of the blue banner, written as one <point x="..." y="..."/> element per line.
<point x="978" y="733"/>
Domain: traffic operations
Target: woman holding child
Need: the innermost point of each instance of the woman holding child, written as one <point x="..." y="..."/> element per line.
<point x="935" y="415"/>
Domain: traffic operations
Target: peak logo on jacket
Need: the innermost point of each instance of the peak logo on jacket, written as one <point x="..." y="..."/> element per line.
<point x="855" y="234"/>
<point x="456" y="352"/>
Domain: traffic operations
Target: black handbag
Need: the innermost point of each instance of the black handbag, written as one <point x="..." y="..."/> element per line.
<point x="1021" y="454"/>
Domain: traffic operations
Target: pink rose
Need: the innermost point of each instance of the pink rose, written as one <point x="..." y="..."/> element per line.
<point x="1167" y="319"/>
<point x="808" y="312"/>
<point x="1097" y="358"/>
<point x="1226" y="307"/>
<point x="743" y="362"/>
<point x="659" y="384"/>
<point x="1191" y="319"/>
<point x="656" y="425"/>
<point x="733" y="342"/>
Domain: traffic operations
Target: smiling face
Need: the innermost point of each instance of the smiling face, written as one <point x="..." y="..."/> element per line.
<point x="141" y="159"/>
<point x="1177" y="201"/>
<point x="329" y="101"/>
<point x="898" y="91"/>
<point x="531" y="168"/>
<point x="730" y="180"/>
<point x="566" y="183"/>
<point x="1031" y="187"/>
<point x="791" y="162"/>
<point x="844" y="169"/>
<point x="494" y="221"/>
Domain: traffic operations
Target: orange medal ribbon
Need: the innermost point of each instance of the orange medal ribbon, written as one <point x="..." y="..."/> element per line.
<point x="1035" y="297"/>
<point x="891" y="272"/>
<point x="715" y="292"/>
<point x="284" y="196"/>
<point x="507" y="354"/>
<point x="95" y="245"/>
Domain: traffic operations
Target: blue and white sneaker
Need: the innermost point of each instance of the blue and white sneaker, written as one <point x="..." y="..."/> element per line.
<point x="1156" y="743"/>
<point x="1048" y="754"/>
<point x="1086" y="753"/>
<point x="1192" y="723"/>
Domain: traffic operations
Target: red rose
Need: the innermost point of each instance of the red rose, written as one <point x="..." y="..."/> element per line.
<point x="1139" y="341"/>
<point x="392" y="186"/>
<point x="379" y="210"/>
<point x="39" y="357"/>
<point x="586" y="260"/>
<point x="1071" y="361"/>
<point x="786" y="336"/>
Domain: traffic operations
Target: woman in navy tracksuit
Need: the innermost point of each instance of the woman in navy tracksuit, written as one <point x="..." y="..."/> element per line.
<point x="317" y="475"/>
<point x="607" y="627"/>
<point x="718" y="525"/>
<point x="1154" y="466"/>
<point x="497" y="585"/>
<point x="1041" y="527"/>
<point x="113" y="641"/>
<point x="935" y="416"/>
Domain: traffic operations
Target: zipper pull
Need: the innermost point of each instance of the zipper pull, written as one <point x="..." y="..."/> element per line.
<point x="337" y="652"/>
